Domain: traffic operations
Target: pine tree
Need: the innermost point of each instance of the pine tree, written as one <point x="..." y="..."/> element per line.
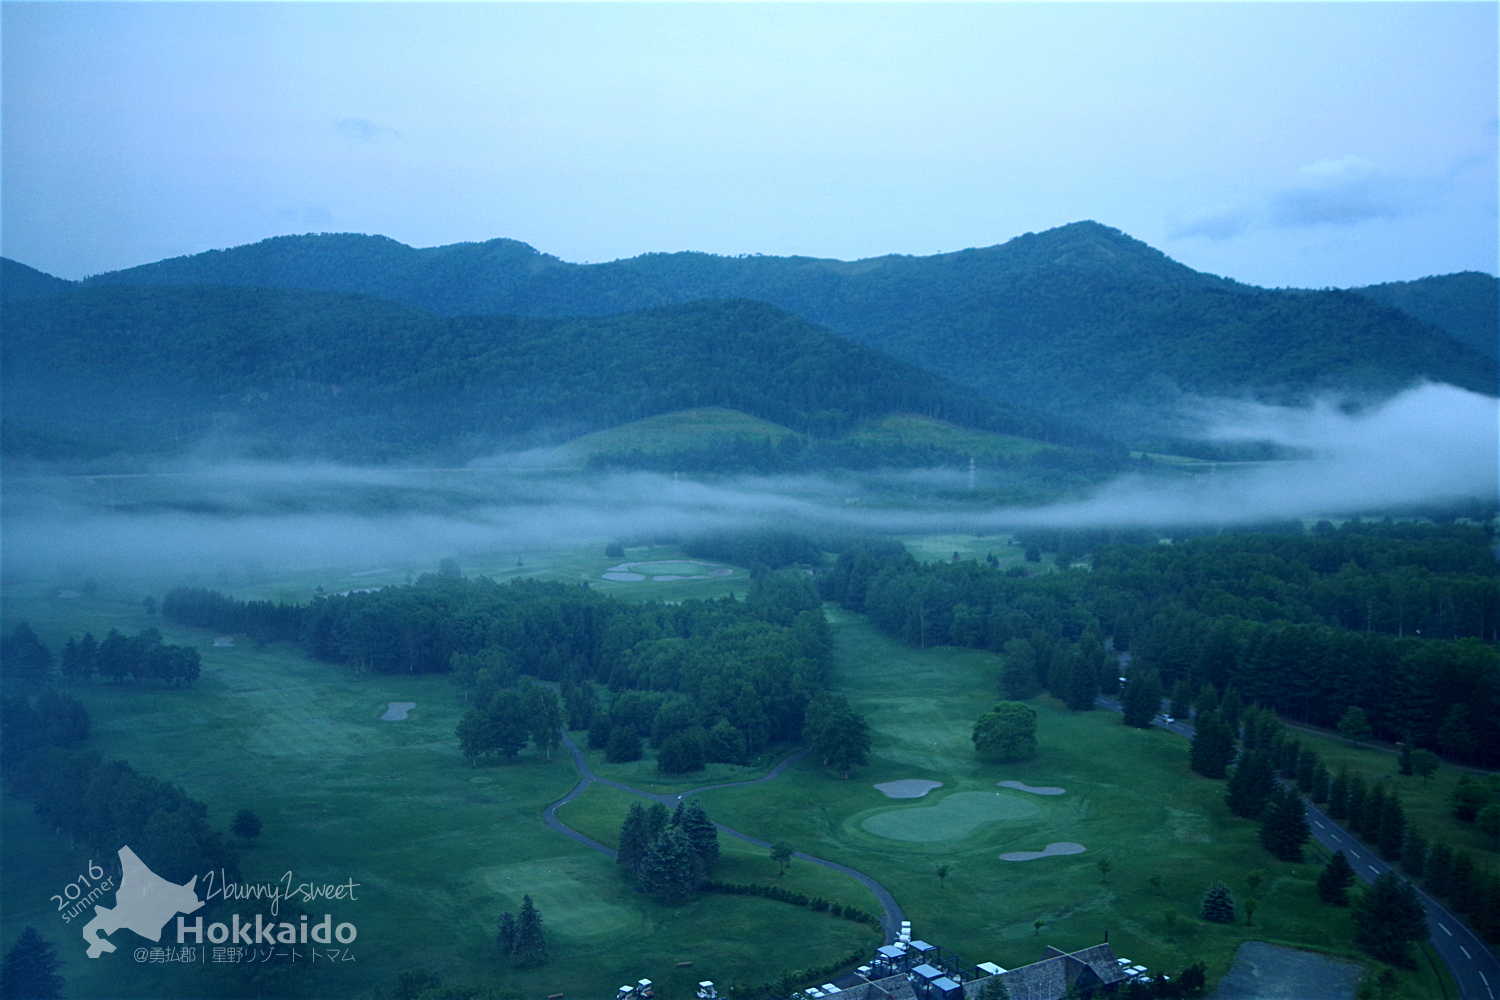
<point x="30" y="968"/>
<point x="1307" y="769"/>
<point x="701" y="834"/>
<point x="657" y="820"/>
<point x="1388" y="917"/>
<point x="1218" y="904"/>
<point x="1322" y="782"/>
<point x="1141" y="700"/>
<point x="1212" y="748"/>
<point x="1390" y="838"/>
<point x="1335" y="879"/>
<point x="1338" y="795"/>
<point x="530" y="949"/>
<point x="1439" y="868"/>
<point x="1250" y="786"/>
<point x="633" y="839"/>
<point x="1406" y="749"/>
<point x="1353" y="725"/>
<point x="1284" y="829"/>
<point x="670" y="869"/>
<point x="1414" y="854"/>
<point x="505" y="934"/>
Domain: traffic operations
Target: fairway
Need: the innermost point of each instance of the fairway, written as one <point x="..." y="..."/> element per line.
<point x="959" y="815"/>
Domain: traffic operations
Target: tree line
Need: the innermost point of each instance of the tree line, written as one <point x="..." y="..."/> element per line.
<point x="700" y="681"/>
<point x="101" y="804"/>
<point x="1399" y="620"/>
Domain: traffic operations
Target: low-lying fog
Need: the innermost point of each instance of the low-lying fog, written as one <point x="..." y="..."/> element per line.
<point x="1431" y="444"/>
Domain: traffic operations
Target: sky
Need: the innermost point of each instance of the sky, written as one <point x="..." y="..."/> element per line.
<point x="1281" y="144"/>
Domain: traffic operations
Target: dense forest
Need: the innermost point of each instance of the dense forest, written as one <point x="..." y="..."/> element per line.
<point x="1465" y="305"/>
<point x="730" y="676"/>
<point x="1399" y="620"/>
<point x="350" y="377"/>
<point x="1080" y="320"/>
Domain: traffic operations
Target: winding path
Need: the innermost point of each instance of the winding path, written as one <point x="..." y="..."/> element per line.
<point x="891" y="921"/>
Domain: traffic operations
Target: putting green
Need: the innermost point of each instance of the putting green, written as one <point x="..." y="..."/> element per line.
<point x="958" y="815"/>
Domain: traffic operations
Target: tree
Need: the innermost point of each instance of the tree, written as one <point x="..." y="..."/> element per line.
<point x="839" y="736"/>
<point x="1251" y="905"/>
<point x="624" y="745"/>
<point x="26" y="661"/>
<point x="701" y="833"/>
<point x="1169" y="917"/>
<point x="1284" y="828"/>
<point x="505" y="933"/>
<point x="530" y="949"/>
<point x="670" y="868"/>
<point x="1018" y="673"/>
<point x="1006" y="733"/>
<point x="993" y="988"/>
<point x="1141" y="700"/>
<point x="681" y="753"/>
<point x="1250" y="786"/>
<point x="942" y="873"/>
<point x="1388" y="917"/>
<point x="1213" y="746"/>
<point x="633" y="839"/>
<point x="1424" y="762"/>
<point x="544" y="717"/>
<point x="30" y="969"/>
<point x="246" y="825"/>
<point x="1405" y="758"/>
<point x="1105" y="866"/>
<point x="1354" y="726"/>
<point x="614" y="550"/>
<point x="781" y="853"/>
<point x="1217" y="905"/>
<point x="725" y="744"/>
<point x="1335" y="879"/>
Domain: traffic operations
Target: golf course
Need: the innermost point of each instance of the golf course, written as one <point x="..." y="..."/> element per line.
<point x="1118" y="836"/>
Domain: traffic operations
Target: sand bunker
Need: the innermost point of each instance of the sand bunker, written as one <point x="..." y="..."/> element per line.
<point x="1033" y="789"/>
<point x="224" y="640"/>
<point x="396" y="710"/>
<point x="957" y="816"/>
<point x="675" y="569"/>
<point x="1063" y="847"/>
<point x="907" y="788"/>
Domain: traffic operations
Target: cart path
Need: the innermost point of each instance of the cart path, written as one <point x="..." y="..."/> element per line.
<point x="891" y="922"/>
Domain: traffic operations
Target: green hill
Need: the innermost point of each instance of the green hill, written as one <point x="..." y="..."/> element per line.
<point x="296" y="372"/>
<point x="1081" y="321"/>
<point x="17" y="282"/>
<point x="1465" y="305"/>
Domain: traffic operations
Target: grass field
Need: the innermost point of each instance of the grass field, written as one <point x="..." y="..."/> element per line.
<point x="679" y="431"/>
<point x="905" y="429"/>
<point x="441" y="849"/>
<point x="1130" y="798"/>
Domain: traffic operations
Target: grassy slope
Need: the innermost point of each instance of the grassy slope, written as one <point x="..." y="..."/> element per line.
<point x="904" y="429"/>
<point x="678" y="431"/>
<point x="1130" y="798"/>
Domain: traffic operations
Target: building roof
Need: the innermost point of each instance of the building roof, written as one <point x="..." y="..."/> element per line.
<point x="1050" y="978"/>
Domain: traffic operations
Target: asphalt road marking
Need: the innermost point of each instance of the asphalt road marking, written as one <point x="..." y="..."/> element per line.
<point x="1373" y="869"/>
<point x="1446" y="930"/>
<point x="1481" y="976"/>
<point x="1318" y="825"/>
<point x="1466" y="953"/>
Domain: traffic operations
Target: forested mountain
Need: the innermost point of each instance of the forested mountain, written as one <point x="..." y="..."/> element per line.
<point x="295" y="372"/>
<point x="17" y="281"/>
<point x="1465" y="305"/>
<point x="1081" y="320"/>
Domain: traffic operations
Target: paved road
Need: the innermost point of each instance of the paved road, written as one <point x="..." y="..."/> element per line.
<point x="891" y="921"/>
<point x="1474" y="966"/>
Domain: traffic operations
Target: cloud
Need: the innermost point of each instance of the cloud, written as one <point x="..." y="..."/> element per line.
<point x="1341" y="192"/>
<point x="364" y="130"/>
<point x="1432" y="443"/>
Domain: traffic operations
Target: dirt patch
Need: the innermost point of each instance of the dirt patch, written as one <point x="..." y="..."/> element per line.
<point x="224" y="640"/>
<point x="1062" y="847"/>
<point x="1268" y="972"/>
<point x="907" y="788"/>
<point x="396" y="710"/>
<point x="1033" y="789"/>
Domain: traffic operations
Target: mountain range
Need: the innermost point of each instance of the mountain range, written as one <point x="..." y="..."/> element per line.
<point x="1081" y="322"/>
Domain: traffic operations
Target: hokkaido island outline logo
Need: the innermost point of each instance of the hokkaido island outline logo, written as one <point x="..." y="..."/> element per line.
<point x="146" y="903"/>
